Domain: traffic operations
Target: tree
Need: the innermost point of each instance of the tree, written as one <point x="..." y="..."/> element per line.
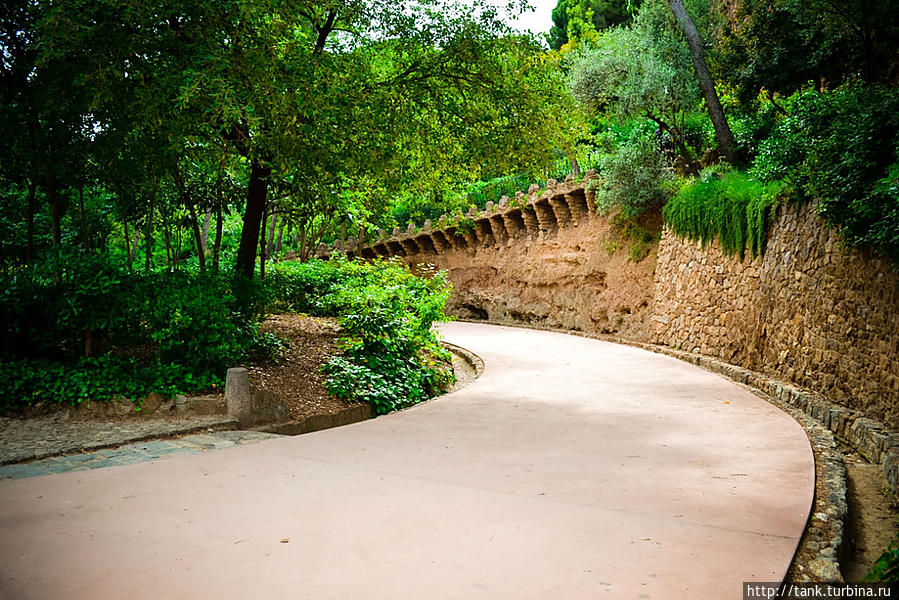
<point x="639" y="71"/>
<point x="722" y="130"/>
<point x="782" y="45"/>
<point x="582" y="19"/>
<point x="443" y="90"/>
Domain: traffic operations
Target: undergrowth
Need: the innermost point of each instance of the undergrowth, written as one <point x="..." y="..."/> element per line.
<point x="391" y="358"/>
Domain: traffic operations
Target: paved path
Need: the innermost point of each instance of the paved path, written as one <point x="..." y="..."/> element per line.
<point x="571" y="469"/>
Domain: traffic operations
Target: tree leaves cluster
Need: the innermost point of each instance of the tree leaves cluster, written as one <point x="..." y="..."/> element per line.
<point x="318" y="110"/>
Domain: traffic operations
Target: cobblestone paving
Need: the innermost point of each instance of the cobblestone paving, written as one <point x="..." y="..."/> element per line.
<point x="133" y="453"/>
<point x="24" y="440"/>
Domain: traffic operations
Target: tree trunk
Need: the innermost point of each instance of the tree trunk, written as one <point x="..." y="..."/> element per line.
<point x="55" y="215"/>
<point x="198" y="238"/>
<point x="280" y="237"/>
<point x="270" y="246"/>
<point x="168" y="240"/>
<point x="53" y="202"/>
<point x="257" y="191"/>
<point x="128" y="260"/>
<point x="706" y="85"/>
<point x="32" y="208"/>
<point x="304" y="251"/>
<point x="84" y="233"/>
<point x="575" y="167"/>
<point x="135" y="245"/>
<point x="217" y="244"/>
<point x="262" y="247"/>
<point x="204" y="232"/>
<point x="148" y="236"/>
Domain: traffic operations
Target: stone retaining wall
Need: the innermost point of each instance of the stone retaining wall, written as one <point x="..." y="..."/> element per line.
<point x="807" y="312"/>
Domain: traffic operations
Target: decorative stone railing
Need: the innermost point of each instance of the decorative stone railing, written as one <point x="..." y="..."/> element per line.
<point x="537" y="214"/>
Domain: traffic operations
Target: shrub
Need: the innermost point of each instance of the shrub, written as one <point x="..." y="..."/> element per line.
<point x="727" y="205"/>
<point x="83" y="328"/>
<point x="633" y="177"/>
<point x="886" y="567"/>
<point x="842" y="149"/>
<point x="391" y="358"/>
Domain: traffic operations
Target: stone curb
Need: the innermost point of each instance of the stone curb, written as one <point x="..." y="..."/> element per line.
<point x="347" y="416"/>
<point x="468" y="356"/>
<point x="162" y="431"/>
<point x="823" y="536"/>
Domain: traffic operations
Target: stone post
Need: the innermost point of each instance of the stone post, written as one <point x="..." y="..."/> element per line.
<point x="238" y="396"/>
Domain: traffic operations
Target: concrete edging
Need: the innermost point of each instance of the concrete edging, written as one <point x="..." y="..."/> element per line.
<point x="468" y="356"/>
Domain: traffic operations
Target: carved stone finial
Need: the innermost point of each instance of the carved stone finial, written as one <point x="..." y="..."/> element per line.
<point x="569" y="178"/>
<point x="533" y="188"/>
<point x="488" y="207"/>
<point x="427" y="225"/>
<point x="411" y="228"/>
<point x="590" y="174"/>
<point x="551" y="183"/>
<point x="396" y="232"/>
<point x="504" y="202"/>
<point x="472" y="210"/>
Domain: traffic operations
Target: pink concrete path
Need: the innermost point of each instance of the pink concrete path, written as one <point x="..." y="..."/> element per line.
<point x="571" y="469"/>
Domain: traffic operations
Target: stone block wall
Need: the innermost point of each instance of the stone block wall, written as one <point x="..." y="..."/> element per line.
<point x="807" y="312"/>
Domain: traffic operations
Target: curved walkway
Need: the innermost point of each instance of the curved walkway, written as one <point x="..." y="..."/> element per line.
<point x="572" y="468"/>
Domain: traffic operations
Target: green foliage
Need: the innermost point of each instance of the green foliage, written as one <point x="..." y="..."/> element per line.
<point x="886" y="568"/>
<point x="633" y="178"/>
<point x="32" y="381"/>
<point x="391" y="358"/>
<point x="115" y="332"/>
<point x="575" y="20"/>
<point x="782" y="45"/>
<point x="639" y="237"/>
<point x="725" y="205"/>
<point x="841" y="148"/>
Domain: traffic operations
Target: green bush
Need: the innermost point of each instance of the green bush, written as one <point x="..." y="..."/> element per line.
<point x="391" y="357"/>
<point x="84" y="328"/>
<point x="842" y="149"/>
<point x="886" y="567"/>
<point x="727" y="205"/>
<point x="633" y="178"/>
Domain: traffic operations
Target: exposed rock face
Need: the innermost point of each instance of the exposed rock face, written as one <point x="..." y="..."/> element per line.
<point x="807" y="312"/>
<point x="568" y="280"/>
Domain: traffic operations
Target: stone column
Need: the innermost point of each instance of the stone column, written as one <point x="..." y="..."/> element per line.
<point x="531" y="225"/>
<point x="238" y="397"/>
<point x="499" y="231"/>
<point x="545" y="216"/>
<point x="560" y="208"/>
<point x="577" y="206"/>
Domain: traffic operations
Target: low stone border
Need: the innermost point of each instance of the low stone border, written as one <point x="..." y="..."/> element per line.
<point x="347" y="416"/>
<point x="818" y="553"/>
<point x="468" y="356"/>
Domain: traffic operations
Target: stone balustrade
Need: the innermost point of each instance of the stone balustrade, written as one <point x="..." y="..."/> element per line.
<point x="537" y="214"/>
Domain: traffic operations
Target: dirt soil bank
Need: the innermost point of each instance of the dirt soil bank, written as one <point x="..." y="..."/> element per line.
<point x="581" y="278"/>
